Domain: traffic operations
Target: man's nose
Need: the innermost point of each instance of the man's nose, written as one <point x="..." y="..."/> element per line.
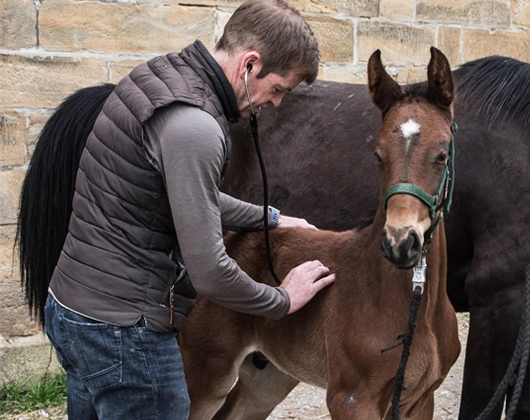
<point x="276" y="100"/>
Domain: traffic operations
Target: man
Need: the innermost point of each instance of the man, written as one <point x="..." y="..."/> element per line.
<point x="147" y="202"/>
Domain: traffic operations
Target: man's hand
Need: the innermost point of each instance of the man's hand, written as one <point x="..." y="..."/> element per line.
<point x="293" y="222"/>
<point x="304" y="281"/>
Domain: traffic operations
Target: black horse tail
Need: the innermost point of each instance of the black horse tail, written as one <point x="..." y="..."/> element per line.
<point x="48" y="189"/>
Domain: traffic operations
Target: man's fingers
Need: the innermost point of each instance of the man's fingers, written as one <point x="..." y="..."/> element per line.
<point x="322" y="282"/>
<point x="314" y="270"/>
<point x="320" y="270"/>
<point x="305" y="281"/>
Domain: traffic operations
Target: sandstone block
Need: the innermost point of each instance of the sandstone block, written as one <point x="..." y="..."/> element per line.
<point x="320" y="75"/>
<point x="365" y="8"/>
<point x="18" y="19"/>
<point x="218" y="3"/>
<point x="361" y="8"/>
<point x="521" y="13"/>
<point x="348" y="73"/>
<point x="10" y="185"/>
<point x="9" y="270"/>
<point x="15" y="319"/>
<point x="397" y="9"/>
<point x="399" y="44"/>
<point x="12" y="139"/>
<point x="335" y="38"/>
<point x="402" y="76"/>
<point x="491" y="13"/>
<point x="479" y="43"/>
<point x="121" y="27"/>
<point x="411" y="76"/>
<point x="36" y="124"/>
<point x="26" y="358"/>
<point x="37" y="82"/>
<point x="449" y="44"/>
<point x="312" y="6"/>
<point x="221" y="18"/>
<point x="120" y="69"/>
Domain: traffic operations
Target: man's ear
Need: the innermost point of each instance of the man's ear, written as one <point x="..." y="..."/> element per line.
<point x="250" y="61"/>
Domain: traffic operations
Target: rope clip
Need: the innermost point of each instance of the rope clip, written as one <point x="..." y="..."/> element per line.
<point x="418" y="274"/>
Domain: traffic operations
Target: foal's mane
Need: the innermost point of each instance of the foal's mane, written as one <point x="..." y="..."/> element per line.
<point x="498" y="87"/>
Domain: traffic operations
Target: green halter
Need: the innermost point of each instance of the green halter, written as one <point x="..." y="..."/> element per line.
<point x="446" y="188"/>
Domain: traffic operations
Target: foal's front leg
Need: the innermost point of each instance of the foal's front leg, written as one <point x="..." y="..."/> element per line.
<point x="349" y="403"/>
<point x="424" y="409"/>
<point x="352" y="392"/>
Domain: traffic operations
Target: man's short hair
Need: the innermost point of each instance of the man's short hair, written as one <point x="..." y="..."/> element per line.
<point x="278" y="32"/>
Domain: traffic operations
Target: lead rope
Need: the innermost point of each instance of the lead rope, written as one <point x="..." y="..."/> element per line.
<point x="407" y="343"/>
<point x="419" y="276"/>
<point x="519" y="358"/>
<point x="254" y="127"/>
<point x="418" y="284"/>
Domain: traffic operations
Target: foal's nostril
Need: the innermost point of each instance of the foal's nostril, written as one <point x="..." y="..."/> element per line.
<point x="413" y="245"/>
<point x="386" y="246"/>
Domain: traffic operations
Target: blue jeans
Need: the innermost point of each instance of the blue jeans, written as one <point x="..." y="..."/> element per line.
<point x="117" y="372"/>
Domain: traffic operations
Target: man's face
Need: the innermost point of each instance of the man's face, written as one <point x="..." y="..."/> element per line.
<point x="269" y="89"/>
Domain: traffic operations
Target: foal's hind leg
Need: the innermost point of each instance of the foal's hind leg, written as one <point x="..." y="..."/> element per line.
<point x="209" y="379"/>
<point x="256" y="393"/>
<point x="214" y="343"/>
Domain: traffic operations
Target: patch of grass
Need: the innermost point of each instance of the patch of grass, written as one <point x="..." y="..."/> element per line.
<point x="48" y="391"/>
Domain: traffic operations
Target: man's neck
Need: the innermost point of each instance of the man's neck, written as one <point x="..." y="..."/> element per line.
<point x="229" y="64"/>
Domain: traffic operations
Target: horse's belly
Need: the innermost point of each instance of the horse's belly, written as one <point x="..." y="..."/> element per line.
<point x="306" y="361"/>
<point x="305" y="371"/>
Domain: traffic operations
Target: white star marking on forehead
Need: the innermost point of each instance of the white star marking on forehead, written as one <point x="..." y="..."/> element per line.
<point x="410" y="128"/>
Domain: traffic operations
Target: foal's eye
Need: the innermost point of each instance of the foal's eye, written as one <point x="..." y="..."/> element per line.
<point x="442" y="158"/>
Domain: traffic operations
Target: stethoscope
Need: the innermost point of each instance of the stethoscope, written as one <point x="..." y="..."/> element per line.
<point x="254" y="128"/>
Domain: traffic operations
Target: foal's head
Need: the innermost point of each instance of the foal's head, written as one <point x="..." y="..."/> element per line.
<point x="413" y="148"/>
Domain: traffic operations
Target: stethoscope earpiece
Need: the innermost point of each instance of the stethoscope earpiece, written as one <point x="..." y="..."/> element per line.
<point x="249" y="67"/>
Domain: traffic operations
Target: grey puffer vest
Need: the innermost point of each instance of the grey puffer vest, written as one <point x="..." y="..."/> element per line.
<point x="117" y="264"/>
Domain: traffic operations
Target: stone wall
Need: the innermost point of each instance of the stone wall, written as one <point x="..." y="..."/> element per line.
<point x="50" y="48"/>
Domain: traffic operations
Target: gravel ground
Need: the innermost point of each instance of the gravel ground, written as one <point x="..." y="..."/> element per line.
<point x="306" y="402"/>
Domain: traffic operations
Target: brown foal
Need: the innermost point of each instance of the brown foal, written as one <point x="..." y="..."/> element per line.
<point x="336" y="340"/>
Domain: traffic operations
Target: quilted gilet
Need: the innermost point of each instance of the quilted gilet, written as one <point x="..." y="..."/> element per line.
<point x="116" y="263"/>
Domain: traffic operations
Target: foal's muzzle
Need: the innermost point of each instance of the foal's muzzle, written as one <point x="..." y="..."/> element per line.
<point x="402" y="247"/>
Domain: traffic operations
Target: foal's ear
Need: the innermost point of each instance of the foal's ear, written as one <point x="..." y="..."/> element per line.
<point x="384" y="90"/>
<point x="440" y="89"/>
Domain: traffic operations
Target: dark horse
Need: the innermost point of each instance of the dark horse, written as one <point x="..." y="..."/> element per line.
<point x="343" y="340"/>
<point x="318" y="147"/>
